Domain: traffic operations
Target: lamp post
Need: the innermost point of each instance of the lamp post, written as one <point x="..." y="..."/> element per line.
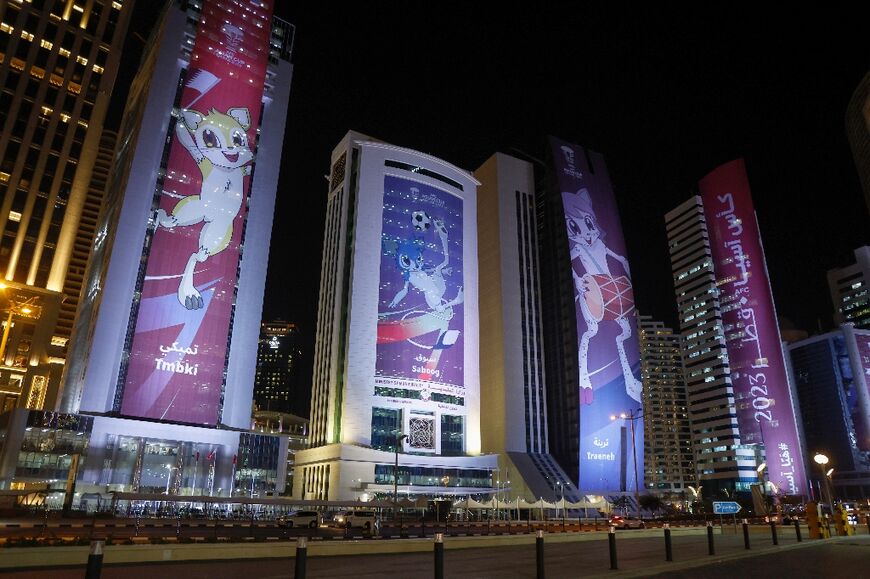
<point x="632" y="416"/>
<point x="399" y="438"/>
<point x="822" y="460"/>
<point x="760" y="470"/>
<point x="15" y="307"/>
<point x="169" y="469"/>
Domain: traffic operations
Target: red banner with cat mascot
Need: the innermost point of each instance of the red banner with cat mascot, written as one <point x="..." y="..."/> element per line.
<point x="179" y="349"/>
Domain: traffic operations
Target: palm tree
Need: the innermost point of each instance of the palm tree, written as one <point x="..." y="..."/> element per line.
<point x="651" y="503"/>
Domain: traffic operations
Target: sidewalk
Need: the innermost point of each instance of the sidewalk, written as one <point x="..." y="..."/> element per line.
<point x="637" y="557"/>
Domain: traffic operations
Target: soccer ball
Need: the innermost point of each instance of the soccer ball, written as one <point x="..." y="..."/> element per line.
<point x="421" y="221"/>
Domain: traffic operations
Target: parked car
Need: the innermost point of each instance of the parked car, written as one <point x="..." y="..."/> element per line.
<point x="310" y="519"/>
<point x="621" y="522"/>
<point x="349" y="519"/>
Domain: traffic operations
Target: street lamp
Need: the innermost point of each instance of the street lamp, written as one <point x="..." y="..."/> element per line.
<point x="399" y="438"/>
<point x="15" y="307"/>
<point x="822" y="460"/>
<point x="169" y="469"/>
<point x="760" y="470"/>
<point x="632" y="416"/>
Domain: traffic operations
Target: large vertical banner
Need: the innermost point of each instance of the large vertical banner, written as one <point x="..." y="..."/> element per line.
<point x="765" y="409"/>
<point x="608" y="351"/>
<point x="179" y="350"/>
<point x="420" y="344"/>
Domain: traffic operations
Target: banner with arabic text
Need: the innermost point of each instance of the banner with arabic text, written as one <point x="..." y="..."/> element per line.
<point x="765" y="408"/>
<point x="608" y="350"/>
<point x="178" y="353"/>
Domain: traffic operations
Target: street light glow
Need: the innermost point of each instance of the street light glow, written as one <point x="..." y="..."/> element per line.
<point x="820" y="459"/>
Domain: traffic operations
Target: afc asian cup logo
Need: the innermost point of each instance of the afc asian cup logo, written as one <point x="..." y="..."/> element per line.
<point x="233" y="36"/>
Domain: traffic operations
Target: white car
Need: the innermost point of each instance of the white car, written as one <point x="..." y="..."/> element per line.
<point x="626" y="522"/>
<point x="310" y="519"/>
<point x="349" y="519"/>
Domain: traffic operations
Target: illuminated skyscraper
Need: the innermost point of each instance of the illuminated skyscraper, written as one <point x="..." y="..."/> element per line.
<point x="513" y="382"/>
<point x="161" y="376"/>
<point x="742" y="405"/>
<point x="722" y="461"/>
<point x="832" y="379"/>
<point x="669" y="459"/>
<point x="58" y="63"/>
<point x="396" y="361"/>
<point x="850" y="290"/>
<point x="858" y="132"/>
<point x="276" y="386"/>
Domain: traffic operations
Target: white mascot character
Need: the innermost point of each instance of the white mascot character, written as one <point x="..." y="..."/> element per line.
<point x="218" y="143"/>
<point x="603" y="296"/>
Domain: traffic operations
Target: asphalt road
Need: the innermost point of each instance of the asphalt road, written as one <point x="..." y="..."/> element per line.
<point x="637" y="557"/>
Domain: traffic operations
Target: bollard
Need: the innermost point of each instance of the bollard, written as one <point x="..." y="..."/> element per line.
<point x="669" y="553"/>
<point x="745" y="534"/>
<point x="611" y="539"/>
<point x="439" y="555"/>
<point x="710" y="548"/>
<point x="95" y="560"/>
<point x="301" y="555"/>
<point x="868" y="524"/>
<point x="423" y="528"/>
<point x="797" y="530"/>
<point x="773" y="532"/>
<point x="539" y="553"/>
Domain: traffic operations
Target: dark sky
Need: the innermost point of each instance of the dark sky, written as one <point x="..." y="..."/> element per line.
<point x="665" y="96"/>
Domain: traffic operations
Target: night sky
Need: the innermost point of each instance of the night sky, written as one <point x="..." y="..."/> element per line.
<point x="666" y="97"/>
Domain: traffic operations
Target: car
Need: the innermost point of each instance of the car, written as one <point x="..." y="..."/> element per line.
<point x="349" y="519"/>
<point x="310" y="519"/>
<point x="621" y="522"/>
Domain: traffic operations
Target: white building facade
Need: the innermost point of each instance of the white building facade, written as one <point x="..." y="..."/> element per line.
<point x="396" y="357"/>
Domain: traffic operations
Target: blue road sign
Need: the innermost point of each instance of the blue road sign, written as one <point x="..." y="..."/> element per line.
<point x="726" y="507"/>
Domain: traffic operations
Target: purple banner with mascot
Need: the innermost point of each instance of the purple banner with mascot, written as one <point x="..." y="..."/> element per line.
<point x="420" y="343"/>
<point x="608" y="353"/>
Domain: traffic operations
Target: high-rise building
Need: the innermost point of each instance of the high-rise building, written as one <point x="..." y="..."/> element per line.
<point x="58" y="63"/>
<point x="513" y="383"/>
<point x="832" y="378"/>
<point x="850" y="290"/>
<point x="276" y="387"/>
<point x="858" y="132"/>
<point x="396" y="361"/>
<point x="160" y="381"/>
<point x="591" y="353"/>
<point x="668" y="455"/>
<point x="742" y="406"/>
<point x="721" y="460"/>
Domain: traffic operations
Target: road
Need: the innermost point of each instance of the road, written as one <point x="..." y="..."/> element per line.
<point x="637" y="557"/>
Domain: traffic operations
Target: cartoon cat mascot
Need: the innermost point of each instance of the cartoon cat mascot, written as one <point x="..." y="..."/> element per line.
<point x="603" y="296"/>
<point x="218" y="143"/>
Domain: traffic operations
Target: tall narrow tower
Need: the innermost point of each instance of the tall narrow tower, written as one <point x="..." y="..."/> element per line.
<point x="668" y="455"/>
<point x="742" y="405"/>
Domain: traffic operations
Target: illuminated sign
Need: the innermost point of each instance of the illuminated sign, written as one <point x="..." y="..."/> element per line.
<point x="765" y="412"/>
<point x="178" y="353"/>
<point x="420" y="344"/>
<point x="608" y="352"/>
